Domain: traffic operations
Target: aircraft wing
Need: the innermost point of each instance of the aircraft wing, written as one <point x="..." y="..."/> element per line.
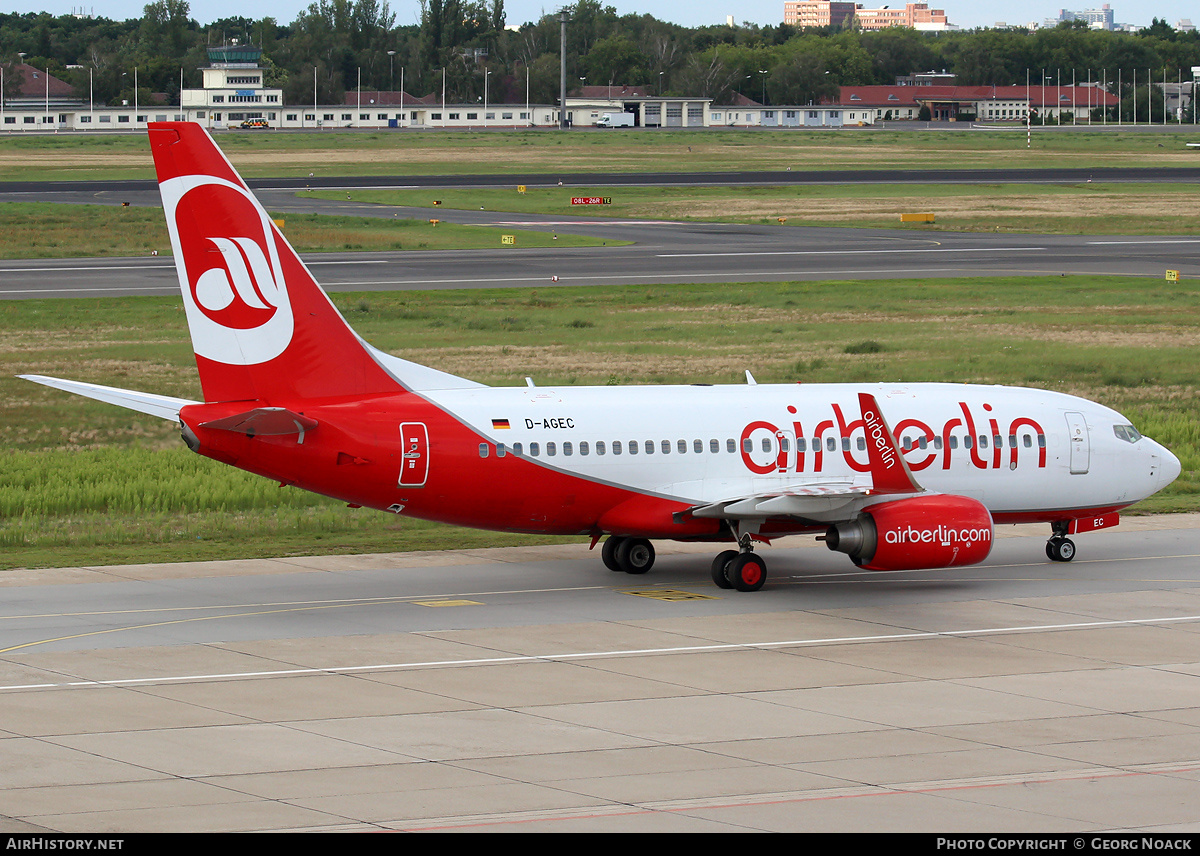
<point x="803" y="500"/>
<point x="162" y="406"/>
<point x="888" y="474"/>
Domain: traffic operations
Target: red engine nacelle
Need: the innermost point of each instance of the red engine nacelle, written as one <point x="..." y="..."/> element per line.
<point x="916" y="532"/>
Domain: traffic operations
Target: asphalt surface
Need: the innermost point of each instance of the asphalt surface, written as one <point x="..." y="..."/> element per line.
<point x="529" y="689"/>
<point x="662" y="252"/>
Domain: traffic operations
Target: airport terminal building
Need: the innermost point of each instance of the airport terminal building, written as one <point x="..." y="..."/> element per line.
<point x="235" y="94"/>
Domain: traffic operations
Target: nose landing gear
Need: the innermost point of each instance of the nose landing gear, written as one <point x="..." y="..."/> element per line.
<point x="1060" y="548"/>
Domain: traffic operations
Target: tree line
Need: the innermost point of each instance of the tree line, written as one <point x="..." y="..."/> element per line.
<point x="464" y="45"/>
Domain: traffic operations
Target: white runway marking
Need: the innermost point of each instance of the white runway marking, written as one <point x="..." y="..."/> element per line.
<point x="592" y="655"/>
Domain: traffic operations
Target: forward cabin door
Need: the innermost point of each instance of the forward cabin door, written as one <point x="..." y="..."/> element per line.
<point x="1077" y="433"/>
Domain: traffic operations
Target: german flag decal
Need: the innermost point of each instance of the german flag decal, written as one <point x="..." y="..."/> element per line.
<point x="500" y="423"/>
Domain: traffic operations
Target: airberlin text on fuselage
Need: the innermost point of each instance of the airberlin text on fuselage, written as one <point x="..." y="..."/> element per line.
<point x="991" y="456"/>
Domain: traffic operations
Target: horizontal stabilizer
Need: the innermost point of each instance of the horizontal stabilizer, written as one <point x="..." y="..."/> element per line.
<point x="162" y="406"/>
<point x="265" y="422"/>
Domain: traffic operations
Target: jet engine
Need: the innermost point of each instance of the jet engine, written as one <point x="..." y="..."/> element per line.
<point x="939" y="531"/>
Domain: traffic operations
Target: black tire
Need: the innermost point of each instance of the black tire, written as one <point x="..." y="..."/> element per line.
<point x="747" y="572"/>
<point x="719" y="566"/>
<point x="1060" y="549"/>
<point x="608" y="553"/>
<point x="635" y="555"/>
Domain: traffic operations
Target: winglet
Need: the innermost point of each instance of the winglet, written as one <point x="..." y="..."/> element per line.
<point x="889" y="470"/>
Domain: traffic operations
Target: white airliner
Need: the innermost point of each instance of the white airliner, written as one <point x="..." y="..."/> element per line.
<point x="898" y="476"/>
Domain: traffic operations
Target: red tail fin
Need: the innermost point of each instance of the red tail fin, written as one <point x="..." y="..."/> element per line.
<point x="261" y="327"/>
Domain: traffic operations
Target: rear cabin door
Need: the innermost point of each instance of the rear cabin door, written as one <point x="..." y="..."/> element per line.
<point x="414" y="463"/>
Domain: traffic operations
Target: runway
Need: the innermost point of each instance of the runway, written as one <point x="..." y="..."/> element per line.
<point x="664" y="253"/>
<point x="661" y="251"/>
<point x="529" y="689"/>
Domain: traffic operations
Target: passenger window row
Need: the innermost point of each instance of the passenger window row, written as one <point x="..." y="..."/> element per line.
<point x="633" y="447"/>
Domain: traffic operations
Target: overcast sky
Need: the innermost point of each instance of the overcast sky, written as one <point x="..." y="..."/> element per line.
<point x="965" y="13"/>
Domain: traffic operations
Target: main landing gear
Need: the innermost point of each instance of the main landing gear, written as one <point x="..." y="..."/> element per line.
<point x="743" y="570"/>
<point x="1060" y="548"/>
<point x="631" y="555"/>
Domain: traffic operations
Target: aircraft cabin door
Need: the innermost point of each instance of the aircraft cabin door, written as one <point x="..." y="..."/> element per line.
<point x="414" y="461"/>
<point x="1077" y="434"/>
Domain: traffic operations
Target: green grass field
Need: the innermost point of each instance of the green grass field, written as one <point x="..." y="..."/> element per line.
<point x="408" y="152"/>
<point x="51" y="230"/>
<point x="1088" y="208"/>
<point x="87" y="483"/>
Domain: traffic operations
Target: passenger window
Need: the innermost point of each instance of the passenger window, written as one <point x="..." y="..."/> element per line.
<point x="583" y="447"/>
<point x="731" y="446"/>
<point x="666" y="447"/>
<point x="534" y="449"/>
<point x="568" y="449"/>
<point x="633" y="447"/>
<point x="714" y="446"/>
<point x="483" y="450"/>
<point x="697" y="446"/>
<point x="599" y="447"/>
<point x="831" y="444"/>
<point x="551" y="450"/>
<point x="649" y="447"/>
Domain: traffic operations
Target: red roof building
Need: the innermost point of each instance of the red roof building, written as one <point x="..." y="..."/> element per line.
<point x="985" y="103"/>
<point x="37" y="89"/>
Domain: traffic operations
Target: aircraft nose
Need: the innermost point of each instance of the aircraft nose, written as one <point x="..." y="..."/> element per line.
<point x="1169" y="469"/>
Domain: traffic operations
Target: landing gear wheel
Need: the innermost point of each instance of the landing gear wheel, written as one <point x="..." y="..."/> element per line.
<point x="1060" y="549"/>
<point x="719" y="566"/>
<point x="635" y="555"/>
<point x="747" y="572"/>
<point x="608" y="553"/>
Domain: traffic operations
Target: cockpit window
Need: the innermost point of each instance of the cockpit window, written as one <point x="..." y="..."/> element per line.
<point x="1127" y="433"/>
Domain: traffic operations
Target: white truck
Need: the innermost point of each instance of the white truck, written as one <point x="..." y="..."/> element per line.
<point x="615" y="120"/>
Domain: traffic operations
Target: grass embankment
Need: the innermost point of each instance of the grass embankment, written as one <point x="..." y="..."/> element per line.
<point x="332" y="153"/>
<point x="85" y="483"/>
<point x="51" y="230"/>
<point x="1088" y="208"/>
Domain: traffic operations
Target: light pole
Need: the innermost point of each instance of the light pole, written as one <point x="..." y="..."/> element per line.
<point x="563" y="17"/>
<point x="486" y="76"/>
<point x="763" y="72"/>
<point x="392" y="71"/>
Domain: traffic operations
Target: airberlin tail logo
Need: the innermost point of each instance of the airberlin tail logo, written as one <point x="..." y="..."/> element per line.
<point x="228" y="262"/>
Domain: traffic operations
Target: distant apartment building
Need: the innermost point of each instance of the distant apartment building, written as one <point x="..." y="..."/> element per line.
<point x="1097" y="19"/>
<point x="818" y="13"/>
<point x="825" y="13"/>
